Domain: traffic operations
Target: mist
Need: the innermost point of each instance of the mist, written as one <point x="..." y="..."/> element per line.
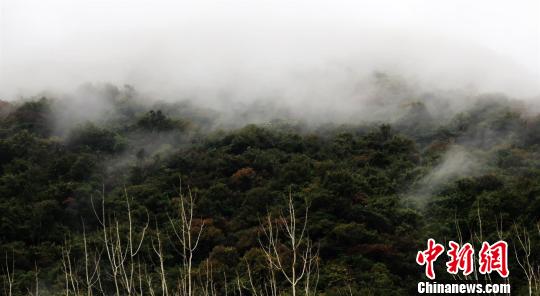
<point x="315" y="59"/>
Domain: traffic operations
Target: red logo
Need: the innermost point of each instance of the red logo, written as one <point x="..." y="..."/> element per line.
<point x="460" y="258"/>
<point x="491" y="258"/>
<point x="494" y="258"/>
<point x="429" y="256"/>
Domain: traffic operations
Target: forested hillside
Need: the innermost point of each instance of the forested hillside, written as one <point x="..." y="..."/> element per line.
<point x="158" y="198"/>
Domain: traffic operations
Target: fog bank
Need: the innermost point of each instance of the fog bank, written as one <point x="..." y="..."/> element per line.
<point x="312" y="57"/>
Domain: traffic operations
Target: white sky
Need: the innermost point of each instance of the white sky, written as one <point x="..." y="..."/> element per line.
<point x="60" y="43"/>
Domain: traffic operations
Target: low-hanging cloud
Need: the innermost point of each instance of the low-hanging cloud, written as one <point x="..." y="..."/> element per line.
<point x="456" y="163"/>
<point x="315" y="55"/>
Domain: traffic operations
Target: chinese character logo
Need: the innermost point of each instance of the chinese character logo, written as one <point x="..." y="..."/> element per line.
<point x="460" y="258"/>
<point x="429" y="256"/>
<point x="492" y="257"/>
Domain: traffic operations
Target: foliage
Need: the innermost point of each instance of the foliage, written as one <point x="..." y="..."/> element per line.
<point x="357" y="180"/>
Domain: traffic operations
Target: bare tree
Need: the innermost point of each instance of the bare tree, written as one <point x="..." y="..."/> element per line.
<point x="74" y="282"/>
<point x="158" y="250"/>
<point x="71" y="281"/>
<point x="188" y="238"/>
<point x="9" y="276"/>
<point x="90" y="277"/>
<point x="296" y="248"/>
<point x="530" y="268"/>
<point x="121" y="251"/>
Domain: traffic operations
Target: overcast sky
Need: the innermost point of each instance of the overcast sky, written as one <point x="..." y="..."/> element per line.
<point x="200" y="44"/>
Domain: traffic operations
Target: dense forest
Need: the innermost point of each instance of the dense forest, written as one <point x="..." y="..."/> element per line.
<point x="158" y="198"/>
